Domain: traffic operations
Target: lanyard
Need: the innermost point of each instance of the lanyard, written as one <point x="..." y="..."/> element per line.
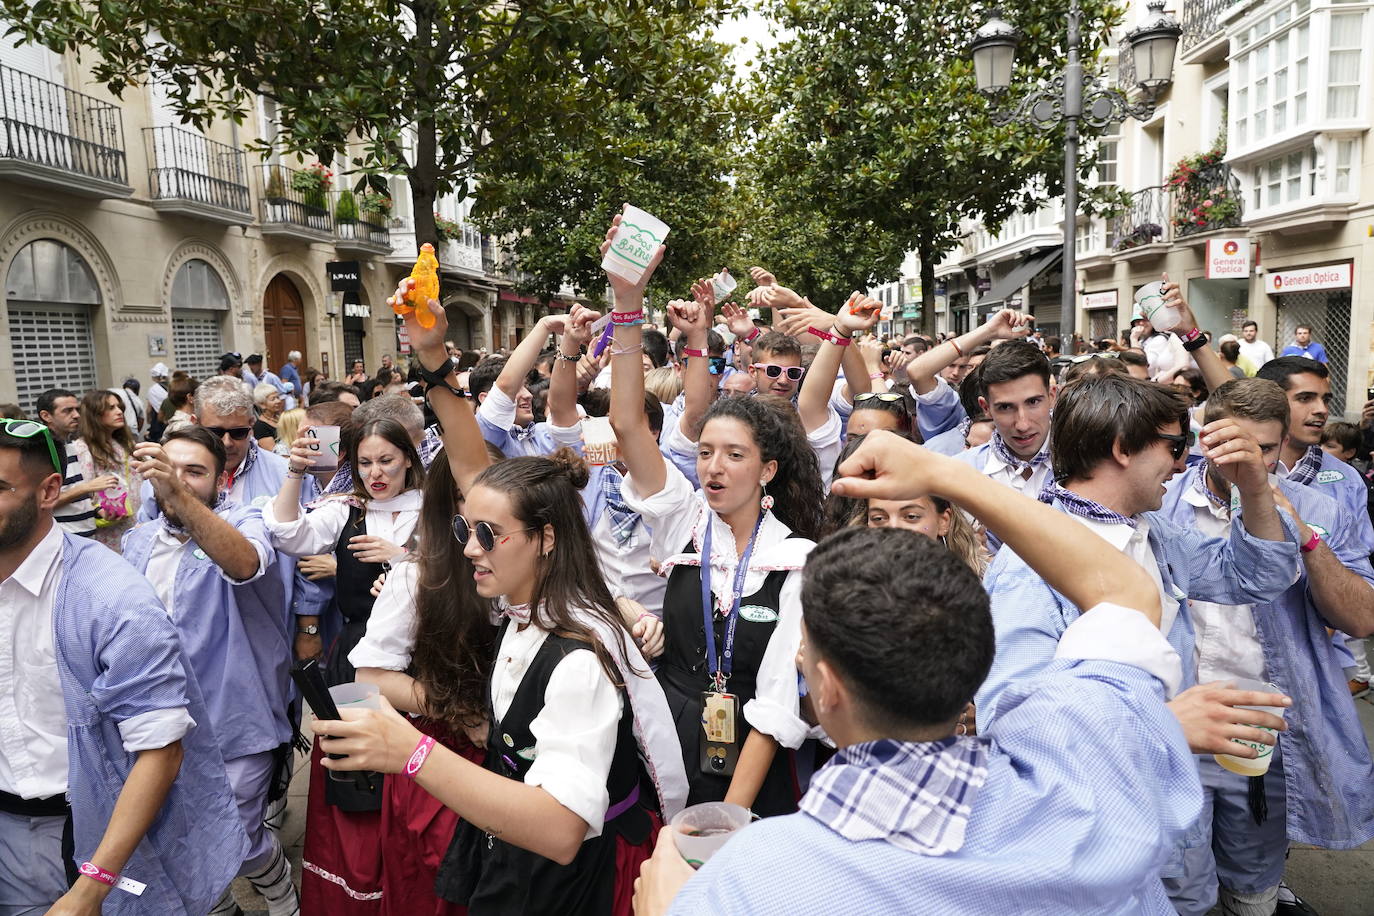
<point x="720" y="669"/>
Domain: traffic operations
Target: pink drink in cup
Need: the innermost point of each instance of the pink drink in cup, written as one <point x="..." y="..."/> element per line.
<point x="702" y="829"/>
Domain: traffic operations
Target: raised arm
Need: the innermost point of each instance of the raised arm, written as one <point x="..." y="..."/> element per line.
<point x="562" y="405"/>
<point x="638" y="449"/>
<point x="463" y="442"/>
<point x="692" y="320"/>
<point x="526" y="354"/>
<point x="1074" y="561"/>
<point x="1214" y="373"/>
<point x="1005" y="325"/>
<point x="835" y="333"/>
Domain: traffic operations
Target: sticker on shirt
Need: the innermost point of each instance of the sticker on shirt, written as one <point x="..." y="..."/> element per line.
<point x="1321" y="532"/>
<point x="526" y="753"/>
<point x="1329" y="476"/>
<point x="199" y="554"/>
<point x="757" y="614"/>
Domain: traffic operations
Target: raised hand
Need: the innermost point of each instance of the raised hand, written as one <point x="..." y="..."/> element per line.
<point x="624" y="289"/>
<point x="896" y="363"/>
<point x="795" y="321"/>
<point x="779" y="297"/>
<point x="428" y="342"/>
<point x="1235" y="454"/>
<point x="761" y="277"/>
<point x="859" y="313"/>
<point x="871" y="349"/>
<point x="152" y="465"/>
<point x="579" y="326"/>
<point x="704" y="292"/>
<point x="887" y="466"/>
<point x="737" y="319"/>
<point x="689" y="317"/>
<point x="1173" y="296"/>
<point x="1008" y="324"/>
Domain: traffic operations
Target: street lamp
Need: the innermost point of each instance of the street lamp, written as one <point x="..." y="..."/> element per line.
<point x="1074" y="96"/>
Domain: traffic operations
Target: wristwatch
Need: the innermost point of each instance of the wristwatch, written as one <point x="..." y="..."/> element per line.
<point x="308" y="630"/>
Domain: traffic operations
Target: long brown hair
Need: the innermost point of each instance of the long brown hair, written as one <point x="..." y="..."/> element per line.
<point x="455" y="640"/>
<point x="544" y="491"/>
<point x="353" y="435"/>
<point x="102" y="441"/>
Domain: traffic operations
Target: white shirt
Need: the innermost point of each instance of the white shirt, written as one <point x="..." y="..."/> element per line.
<point x="33" y="715"/>
<point x="1257" y="351"/>
<point x="1165" y="355"/>
<point x="317" y="531"/>
<point x="1135" y="543"/>
<point x="627" y="569"/>
<point x="390" y="638"/>
<point x="1010" y="476"/>
<point x="156" y="395"/>
<point x="827" y="441"/>
<point x="1228" y="644"/>
<point x="574" y="734"/>
<point x="162" y="565"/>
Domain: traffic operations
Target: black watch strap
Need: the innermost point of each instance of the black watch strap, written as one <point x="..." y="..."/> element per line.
<point x="434" y="380"/>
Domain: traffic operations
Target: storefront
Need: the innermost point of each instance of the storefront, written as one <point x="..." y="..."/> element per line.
<point x="1319" y="298"/>
<point x="1101" y="308"/>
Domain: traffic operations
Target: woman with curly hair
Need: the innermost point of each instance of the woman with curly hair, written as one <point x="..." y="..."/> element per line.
<point x="102" y="448"/>
<point x="733" y="554"/>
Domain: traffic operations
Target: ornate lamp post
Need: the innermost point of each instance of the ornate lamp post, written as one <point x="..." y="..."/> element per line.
<point x="1073" y="97"/>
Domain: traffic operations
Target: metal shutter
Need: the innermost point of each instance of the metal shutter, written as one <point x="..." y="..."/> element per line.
<point x="52" y="347"/>
<point x="353" y="348"/>
<point x="1101" y="323"/>
<point x="1328" y="314"/>
<point x="196" y="346"/>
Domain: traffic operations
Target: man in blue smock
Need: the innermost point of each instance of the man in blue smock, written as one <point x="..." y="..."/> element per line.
<point x="910" y="816"/>
<point x="1319" y="788"/>
<point x="106" y="738"/>
<point x="200" y="557"/>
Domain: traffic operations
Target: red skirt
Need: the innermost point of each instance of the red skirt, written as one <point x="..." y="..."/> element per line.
<point x="628" y="861"/>
<point x="341" y="874"/>
<point x="416" y="830"/>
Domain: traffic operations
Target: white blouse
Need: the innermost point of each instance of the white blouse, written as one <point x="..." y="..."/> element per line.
<point x="678" y="513"/>
<point x="317" y="530"/>
<point x="390" y="638"/>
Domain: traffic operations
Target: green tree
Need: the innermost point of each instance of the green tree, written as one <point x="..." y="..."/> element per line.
<point x="478" y="87"/>
<point x="873" y="127"/>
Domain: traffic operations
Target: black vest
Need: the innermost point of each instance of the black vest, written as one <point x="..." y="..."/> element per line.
<point x="490" y="876"/>
<point x="353" y="594"/>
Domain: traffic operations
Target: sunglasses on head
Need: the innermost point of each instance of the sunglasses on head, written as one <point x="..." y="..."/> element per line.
<point x="486" y="537"/>
<point x="1178" y="445"/>
<point x="886" y="397"/>
<point x="237" y="433"/>
<point x="28" y="429"/>
<point x="773" y="370"/>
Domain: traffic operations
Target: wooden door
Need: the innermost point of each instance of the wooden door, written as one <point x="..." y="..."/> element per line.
<point x="283" y="321"/>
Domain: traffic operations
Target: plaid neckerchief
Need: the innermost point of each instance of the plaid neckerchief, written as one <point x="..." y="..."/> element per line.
<point x="916" y="796"/>
<point x="1200" y="484"/>
<point x="1016" y="462"/>
<point x="342" y="481"/>
<point x="1081" y="506"/>
<point x="1305" y="471"/>
<point x="623" y="518"/>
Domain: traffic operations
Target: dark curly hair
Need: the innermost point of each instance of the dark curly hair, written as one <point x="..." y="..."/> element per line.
<point x="778" y="432"/>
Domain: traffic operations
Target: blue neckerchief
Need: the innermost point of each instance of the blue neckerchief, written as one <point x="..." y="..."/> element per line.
<point x="623" y="518"/>
<point x="1014" y="461"/>
<point x="1081" y="506"/>
<point x="1305" y="471"/>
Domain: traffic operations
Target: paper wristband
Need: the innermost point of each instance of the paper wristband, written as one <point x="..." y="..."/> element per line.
<point x="128" y="885"/>
<point x="418" y="756"/>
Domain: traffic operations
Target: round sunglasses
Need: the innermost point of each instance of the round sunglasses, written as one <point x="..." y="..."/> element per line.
<point x="486" y="536"/>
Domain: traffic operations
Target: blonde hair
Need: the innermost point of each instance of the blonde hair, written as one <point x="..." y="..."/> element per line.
<point x="663" y="383"/>
<point x="289" y="425"/>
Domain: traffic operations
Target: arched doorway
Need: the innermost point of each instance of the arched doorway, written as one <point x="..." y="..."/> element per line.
<point x="283" y="321"/>
<point x="52" y="298"/>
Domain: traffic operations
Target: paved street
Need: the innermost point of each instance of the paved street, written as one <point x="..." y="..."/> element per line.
<point x="1335" y="883"/>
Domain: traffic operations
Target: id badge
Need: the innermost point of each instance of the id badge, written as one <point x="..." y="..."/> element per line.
<point x="720" y="739"/>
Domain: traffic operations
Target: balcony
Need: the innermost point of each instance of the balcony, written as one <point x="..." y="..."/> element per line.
<point x="1203" y="38"/>
<point x="60" y="139"/>
<point x="358" y="227"/>
<point x="289" y="212"/>
<point x="196" y="177"/>
<point x="1141" y="231"/>
<point x="1208" y="200"/>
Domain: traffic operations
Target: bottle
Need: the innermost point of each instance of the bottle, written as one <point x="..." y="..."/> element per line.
<point x="426" y="277"/>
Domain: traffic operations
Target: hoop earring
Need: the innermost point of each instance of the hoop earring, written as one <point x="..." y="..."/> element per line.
<point x="767" y="502"/>
<point x="943" y="541"/>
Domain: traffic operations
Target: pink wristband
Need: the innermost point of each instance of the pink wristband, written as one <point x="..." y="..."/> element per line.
<point x="418" y="756"/>
<point x="1192" y="335"/>
<point x="91" y="870"/>
<point x="753" y="336"/>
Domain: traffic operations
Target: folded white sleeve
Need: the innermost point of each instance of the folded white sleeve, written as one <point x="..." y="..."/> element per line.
<point x="1113" y="633"/>
<point x="310" y="533"/>
<point x="390" y="637"/>
<point x="776" y="707"/>
<point x="157" y="728"/>
<point x="497" y="408"/>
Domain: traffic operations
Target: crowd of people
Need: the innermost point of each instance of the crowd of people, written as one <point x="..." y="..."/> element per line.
<point x="963" y="622"/>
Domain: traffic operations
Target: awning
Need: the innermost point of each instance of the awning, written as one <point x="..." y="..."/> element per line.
<point x="1020" y="275"/>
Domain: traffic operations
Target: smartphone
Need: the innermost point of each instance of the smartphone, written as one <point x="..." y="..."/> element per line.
<point x="1369" y="394"/>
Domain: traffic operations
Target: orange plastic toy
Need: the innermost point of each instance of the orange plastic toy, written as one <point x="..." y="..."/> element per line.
<point x="426" y="277"/>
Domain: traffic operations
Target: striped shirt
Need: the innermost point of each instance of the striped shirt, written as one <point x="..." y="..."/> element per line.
<point x="77" y="516"/>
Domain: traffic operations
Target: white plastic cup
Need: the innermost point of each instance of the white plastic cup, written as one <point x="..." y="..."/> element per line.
<point x="1149" y="304"/>
<point x="702" y="829"/>
<point x="325" y="447"/>
<point x="636" y="239"/>
<point x="722" y="284"/>
<point x="1244" y="766"/>
<point x="357" y="695"/>
<point x="599" y="444"/>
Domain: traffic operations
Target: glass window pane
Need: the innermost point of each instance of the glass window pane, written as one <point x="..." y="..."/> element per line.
<point x="1342" y="101"/>
<point x="1345" y="30"/>
<point x="1280" y="113"/>
<point x="1300" y="108"/>
<point x="1261" y="125"/>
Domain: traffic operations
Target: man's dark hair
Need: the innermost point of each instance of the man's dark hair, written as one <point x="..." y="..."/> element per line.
<point x="1303" y="327"/>
<point x="969" y="391"/>
<point x="484" y="375"/>
<point x="1052" y="343"/>
<point x="329" y="413"/>
<point x="254" y="359"/>
<point x="715" y="344"/>
<point x="326" y="391"/>
<point x="1282" y="369"/>
<point x="913" y="652"/>
<point x="778" y="344"/>
<point x="1343" y="435"/>
<point x="34" y="455"/>
<point x="1230" y="350"/>
<point x="1248" y="399"/>
<point x="1097" y="412"/>
<point x="1249" y="323"/>
<point x="656" y="348"/>
<point x="202" y="437"/>
<point x="1013" y="360"/>
<point x="48" y="399"/>
<point x="597" y="403"/>
<point x="1134" y="358"/>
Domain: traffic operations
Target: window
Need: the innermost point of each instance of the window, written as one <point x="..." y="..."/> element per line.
<point x="1271" y="80"/>
<point x="1286" y="179"/>
<point x="1343" y="80"/>
<point x="198" y="286"/>
<point x="1345" y="161"/>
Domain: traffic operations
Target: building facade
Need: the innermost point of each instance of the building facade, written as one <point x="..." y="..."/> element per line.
<point x="128" y="238"/>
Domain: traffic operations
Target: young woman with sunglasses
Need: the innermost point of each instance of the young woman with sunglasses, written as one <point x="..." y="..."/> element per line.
<point x="732" y="631"/>
<point x="582" y="756"/>
<point x="103" y="447"/>
<point x="365" y="531"/>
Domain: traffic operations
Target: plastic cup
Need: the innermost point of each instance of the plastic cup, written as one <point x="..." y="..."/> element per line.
<point x="1149" y="303"/>
<point x="722" y="284"/>
<point x="598" y="441"/>
<point x="356" y="696"/>
<point x="325" y="447"/>
<point x="634" y="244"/>
<point x="702" y="829"/>
<point x="1260" y="765"/>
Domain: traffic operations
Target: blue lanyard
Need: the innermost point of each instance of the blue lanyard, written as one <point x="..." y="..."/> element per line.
<point x="720" y="669"/>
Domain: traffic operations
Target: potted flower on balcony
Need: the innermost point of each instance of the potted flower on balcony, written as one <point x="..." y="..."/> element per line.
<point x="1142" y="234"/>
<point x="1205" y="197"/>
<point x="346" y="215"/>
<point x="375" y="208"/>
<point x="275" y="195"/>
<point x="313" y="184"/>
<point x="447" y="229"/>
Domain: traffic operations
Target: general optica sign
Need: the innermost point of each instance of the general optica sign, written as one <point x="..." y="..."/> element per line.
<point x="1333" y="276"/>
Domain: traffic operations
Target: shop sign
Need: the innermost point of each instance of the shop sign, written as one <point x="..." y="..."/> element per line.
<point x="1228" y="258"/>
<point x="403" y="338"/>
<point x="344" y="276"/>
<point x="1102" y="300"/>
<point x="1333" y="276"/>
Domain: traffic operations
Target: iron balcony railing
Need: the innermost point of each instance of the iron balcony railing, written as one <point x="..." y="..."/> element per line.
<point x="1144" y="222"/>
<point x="287" y="201"/>
<point x="1199" y="21"/>
<point x="48" y="124"/>
<point x="1208" y="199"/>
<point x="183" y="165"/>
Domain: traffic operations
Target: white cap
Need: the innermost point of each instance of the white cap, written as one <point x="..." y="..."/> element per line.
<point x="159" y="370"/>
